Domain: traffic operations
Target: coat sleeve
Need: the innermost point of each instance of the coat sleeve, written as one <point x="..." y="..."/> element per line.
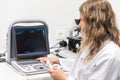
<point x="66" y="64"/>
<point x="106" y="69"/>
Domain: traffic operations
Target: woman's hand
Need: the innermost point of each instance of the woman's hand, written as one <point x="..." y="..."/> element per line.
<point x="52" y="60"/>
<point x="57" y="74"/>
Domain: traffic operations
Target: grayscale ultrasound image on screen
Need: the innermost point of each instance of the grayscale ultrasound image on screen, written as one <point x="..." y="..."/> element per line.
<point x="30" y="40"/>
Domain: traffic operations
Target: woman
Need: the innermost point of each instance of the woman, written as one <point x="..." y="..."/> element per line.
<point x="99" y="54"/>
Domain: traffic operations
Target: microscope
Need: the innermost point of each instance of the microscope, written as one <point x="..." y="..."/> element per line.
<point x="75" y="37"/>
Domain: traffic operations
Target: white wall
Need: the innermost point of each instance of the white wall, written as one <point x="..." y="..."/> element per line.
<point x="58" y="14"/>
<point x="116" y="8"/>
<point x="3" y="24"/>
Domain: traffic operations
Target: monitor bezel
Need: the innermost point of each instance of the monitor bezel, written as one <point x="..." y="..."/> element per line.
<point x="30" y="56"/>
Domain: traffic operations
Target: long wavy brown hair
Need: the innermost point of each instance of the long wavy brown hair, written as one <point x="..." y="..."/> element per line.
<point x="100" y="25"/>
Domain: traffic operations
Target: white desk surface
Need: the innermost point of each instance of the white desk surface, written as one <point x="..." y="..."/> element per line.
<point x="7" y="72"/>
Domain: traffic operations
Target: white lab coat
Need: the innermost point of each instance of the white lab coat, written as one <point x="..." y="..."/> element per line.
<point x="104" y="66"/>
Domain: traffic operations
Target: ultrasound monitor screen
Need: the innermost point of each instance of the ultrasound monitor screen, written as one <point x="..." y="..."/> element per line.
<point x="31" y="41"/>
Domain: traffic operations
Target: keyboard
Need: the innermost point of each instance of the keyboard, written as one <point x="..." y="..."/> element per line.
<point x="32" y="66"/>
<point x="22" y="62"/>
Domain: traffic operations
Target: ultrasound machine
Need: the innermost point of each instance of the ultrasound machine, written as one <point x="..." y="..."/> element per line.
<point x="27" y="40"/>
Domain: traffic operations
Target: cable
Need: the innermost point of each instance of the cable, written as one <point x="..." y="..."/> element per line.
<point x="2" y="60"/>
<point x="2" y="54"/>
<point x="61" y="43"/>
<point x="54" y="45"/>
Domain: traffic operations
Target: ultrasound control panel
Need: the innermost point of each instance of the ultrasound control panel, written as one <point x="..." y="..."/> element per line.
<point x="33" y="66"/>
